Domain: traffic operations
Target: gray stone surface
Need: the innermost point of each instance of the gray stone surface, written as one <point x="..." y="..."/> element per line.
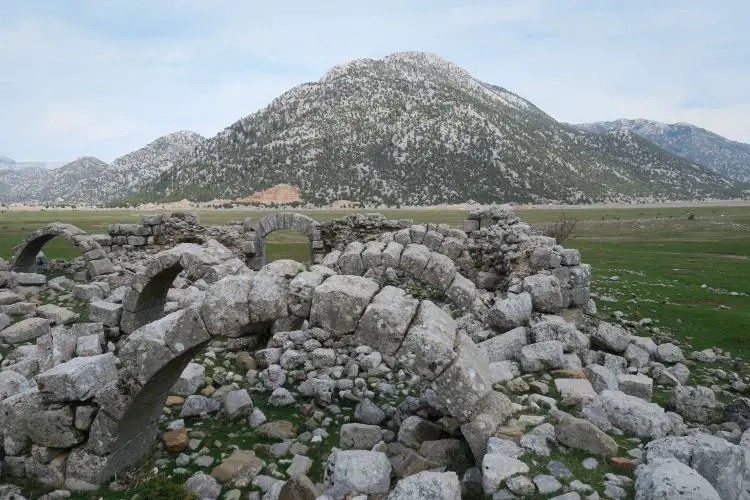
<point x="497" y="468"/>
<point x="427" y="348"/>
<point x="56" y="314"/>
<point x="367" y="472"/>
<point x="78" y="379"/>
<point x="25" y="330"/>
<point x="665" y="479"/>
<point x="542" y="356"/>
<point x="546" y="295"/>
<point x="226" y="306"/>
<point x="191" y="378"/>
<point x="237" y="403"/>
<point x="427" y="485"/>
<point x="636" y="385"/>
<point x="601" y="378"/>
<point x="386" y="319"/>
<point x="628" y="413"/>
<point x="359" y="436"/>
<point x="338" y="304"/>
<point x="203" y="486"/>
<point x="414" y="259"/>
<point x="611" y="338"/>
<point x="697" y="404"/>
<point x="301" y="289"/>
<point x="105" y="312"/>
<point x="511" y="312"/>
<point x="581" y="434"/>
<point x="506" y="346"/>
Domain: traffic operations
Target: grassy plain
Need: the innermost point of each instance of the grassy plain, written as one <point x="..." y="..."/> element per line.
<point x="661" y="258"/>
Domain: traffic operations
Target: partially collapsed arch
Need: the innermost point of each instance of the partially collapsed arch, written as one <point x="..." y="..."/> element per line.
<point x="424" y="338"/>
<point x="25" y="254"/>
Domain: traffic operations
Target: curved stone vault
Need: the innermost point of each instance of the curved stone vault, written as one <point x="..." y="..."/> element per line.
<point x="25" y="253"/>
<point x="256" y="245"/>
<point x="116" y="399"/>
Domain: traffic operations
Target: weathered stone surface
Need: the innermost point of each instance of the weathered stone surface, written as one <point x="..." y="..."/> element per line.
<point x="738" y="411"/>
<point x="299" y="487"/>
<point x="502" y="371"/>
<point x="196" y="405"/>
<point x="462" y="291"/>
<point x="572" y="340"/>
<point x="88" y="345"/>
<point x="581" y="434"/>
<point x="696" y="404"/>
<point x="54" y="428"/>
<point x="237" y="403"/>
<point x="12" y="383"/>
<point x="391" y="256"/>
<point x="427" y="348"/>
<point x="367" y="412"/>
<point x="226" y="306"/>
<point x="427" y="486"/>
<point x="491" y="412"/>
<point x="497" y="468"/>
<point x="105" y="312"/>
<point x="415" y="430"/>
<point x="546" y="295"/>
<point x="542" y="356"/>
<point x="56" y="314"/>
<point x="350" y="261"/>
<point x="203" y="486"/>
<point x="301" y="290"/>
<point x="664" y="479"/>
<point x="30" y="279"/>
<point x="466" y="380"/>
<point x="367" y="472"/>
<point x="629" y="413"/>
<point x="669" y="353"/>
<point x="578" y="390"/>
<point x="239" y="470"/>
<point x="414" y="259"/>
<point x="439" y="271"/>
<point x="338" y="304"/>
<point x="25" y="330"/>
<point x="720" y="462"/>
<point x="191" y="378"/>
<point x="147" y="349"/>
<point x="384" y="322"/>
<point x="78" y="379"/>
<point x="611" y="337"/>
<point x="506" y="346"/>
<point x="636" y="385"/>
<point x="269" y="294"/>
<point x="359" y="436"/>
<point x="510" y="312"/>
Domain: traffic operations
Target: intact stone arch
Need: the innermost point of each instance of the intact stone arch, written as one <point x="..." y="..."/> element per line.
<point x="424" y="338"/>
<point x="25" y="254"/>
<point x="256" y="246"/>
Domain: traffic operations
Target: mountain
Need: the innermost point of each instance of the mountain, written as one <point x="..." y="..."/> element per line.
<point x="91" y="181"/>
<point x="729" y="158"/>
<point x="415" y="129"/>
<point x="4" y="160"/>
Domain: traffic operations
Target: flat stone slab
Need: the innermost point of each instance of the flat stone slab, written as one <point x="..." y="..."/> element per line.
<point x="78" y="379"/>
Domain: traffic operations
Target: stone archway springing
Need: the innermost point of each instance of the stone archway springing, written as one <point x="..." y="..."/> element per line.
<point x="256" y="255"/>
<point x="25" y="254"/>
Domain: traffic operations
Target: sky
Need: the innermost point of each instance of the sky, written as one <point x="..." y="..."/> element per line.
<point x="87" y="77"/>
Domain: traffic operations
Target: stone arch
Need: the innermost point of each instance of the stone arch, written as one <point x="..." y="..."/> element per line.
<point x="25" y="254"/>
<point x="256" y="256"/>
<point x="146" y="297"/>
<point x="439" y="260"/>
<point x="424" y="338"/>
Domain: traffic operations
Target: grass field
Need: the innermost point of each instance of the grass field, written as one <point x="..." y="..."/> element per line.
<point x="660" y="258"/>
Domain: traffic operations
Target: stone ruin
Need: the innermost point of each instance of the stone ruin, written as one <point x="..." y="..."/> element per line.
<point x="474" y="325"/>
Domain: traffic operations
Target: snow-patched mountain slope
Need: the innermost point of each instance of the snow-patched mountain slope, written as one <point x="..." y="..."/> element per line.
<point x="412" y="128"/>
<point x="91" y="181"/>
<point x="729" y="158"/>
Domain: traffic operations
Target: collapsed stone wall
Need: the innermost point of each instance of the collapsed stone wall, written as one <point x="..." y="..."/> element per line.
<point x="80" y="402"/>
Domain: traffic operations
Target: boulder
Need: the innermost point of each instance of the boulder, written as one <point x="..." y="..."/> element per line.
<point x="439" y="271"/>
<point x="415" y="430"/>
<point x="191" y="378"/>
<point x="575" y="390"/>
<point x="511" y="312"/>
<point x="697" y="404"/>
<point x="386" y="319"/>
<point x="628" y="413"/>
<point x="612" y="338"/>
<point x="359" y="436"/>
<point x="56" y="314"/>
<point x="25" y="330"/>
<point x="78" y="379"/>
<point x="542" y="356"/>
<point x="107" y="313"/>
<point x="226" y="306"/>
<point x="664" y="479"/>
<point x="338" y="304"/>
<point x="506" y="346"/>
<point x="636" y="385"/>
<point x="546" y="295"/>
<point x="427" y="348"/>
<point x="427" y="486"/>
<point x="361" y="471"/>
<point x="602" y="379"/>
<point x="497" y="468"/>
<point x="414" y="260"/>
<point x="301" y="290"/>
<point x="581" y="434"/>
<point x="669" y="353"/>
